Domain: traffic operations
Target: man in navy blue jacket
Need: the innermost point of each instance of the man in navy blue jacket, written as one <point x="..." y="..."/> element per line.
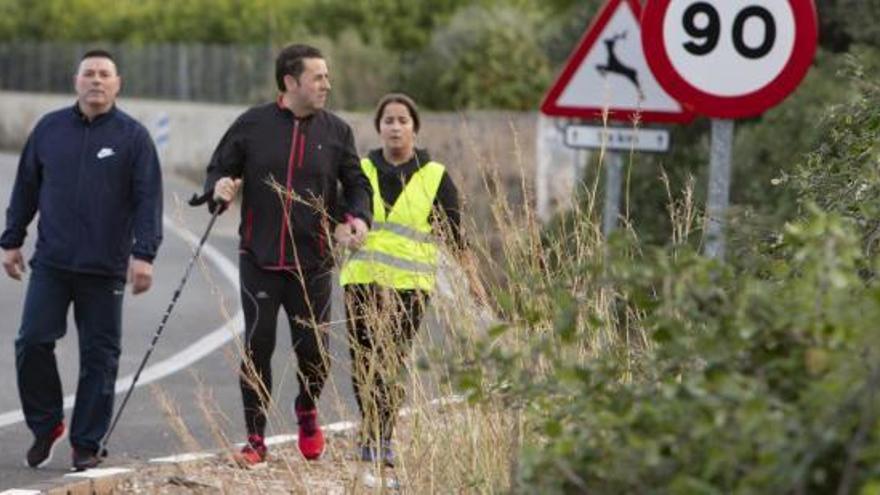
<point x="92" y="173"/>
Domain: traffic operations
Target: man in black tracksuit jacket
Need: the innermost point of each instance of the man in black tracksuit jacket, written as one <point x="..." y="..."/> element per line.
<point x="92" y="173"/>
<point x="289" y="156"/>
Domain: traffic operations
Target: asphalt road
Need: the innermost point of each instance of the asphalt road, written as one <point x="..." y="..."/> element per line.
<point x="204" y="394"/>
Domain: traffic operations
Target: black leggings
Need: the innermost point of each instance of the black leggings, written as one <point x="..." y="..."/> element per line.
<point x="381" y="325"/>
<point x="307" y="306"/>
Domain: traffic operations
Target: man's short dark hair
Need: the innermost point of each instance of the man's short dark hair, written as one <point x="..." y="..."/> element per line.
<point x="99" y="53"/>
<point x="290" y="62"/>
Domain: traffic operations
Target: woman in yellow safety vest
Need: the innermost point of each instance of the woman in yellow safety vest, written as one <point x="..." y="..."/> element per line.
<point x="388" y="279"/>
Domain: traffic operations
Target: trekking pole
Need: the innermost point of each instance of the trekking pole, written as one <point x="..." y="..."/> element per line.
<point x="194" y="201"/>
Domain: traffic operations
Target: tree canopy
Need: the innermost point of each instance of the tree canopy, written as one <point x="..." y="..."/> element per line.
<point x="464" y="46"/>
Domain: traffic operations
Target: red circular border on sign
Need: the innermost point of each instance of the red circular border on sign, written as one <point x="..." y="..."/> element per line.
<point x="731" y="107"/>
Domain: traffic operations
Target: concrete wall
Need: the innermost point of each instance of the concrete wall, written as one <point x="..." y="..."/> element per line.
<point x="466" y="143"/>
<point x="499" y="144"/>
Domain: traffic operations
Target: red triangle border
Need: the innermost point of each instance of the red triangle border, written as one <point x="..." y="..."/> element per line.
<point x="550" y="107"/>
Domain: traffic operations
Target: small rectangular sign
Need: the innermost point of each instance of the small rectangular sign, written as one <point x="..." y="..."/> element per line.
<point x="617" y="138"/>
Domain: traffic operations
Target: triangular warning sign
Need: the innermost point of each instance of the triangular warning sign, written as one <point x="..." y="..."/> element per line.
<point x="609" y="70"/>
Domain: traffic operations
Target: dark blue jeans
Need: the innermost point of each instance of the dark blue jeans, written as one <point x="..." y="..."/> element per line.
<point x="97" y="310"/>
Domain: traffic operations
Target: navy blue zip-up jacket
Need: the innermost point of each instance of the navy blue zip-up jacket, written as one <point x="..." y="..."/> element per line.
<point x="98" y="188"/>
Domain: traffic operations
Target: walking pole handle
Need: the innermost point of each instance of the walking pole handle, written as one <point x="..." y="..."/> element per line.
<point x="208" y="197"/>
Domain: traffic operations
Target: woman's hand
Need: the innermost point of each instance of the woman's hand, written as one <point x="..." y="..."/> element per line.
<point x="351" y="234"/>
<point x="342" y="235"/>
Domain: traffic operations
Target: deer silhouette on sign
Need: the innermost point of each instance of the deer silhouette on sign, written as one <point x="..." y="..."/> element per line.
<point x="615" y="66"/>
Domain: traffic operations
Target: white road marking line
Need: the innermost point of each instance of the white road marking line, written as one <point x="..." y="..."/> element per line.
<point x="99" y="472"/>
<point x="280" y="439"/>
<point x="340" y="426"/>
<point x="175" y="459"/>
<point x="16" y="491"/>
<point x="189" y="355"/>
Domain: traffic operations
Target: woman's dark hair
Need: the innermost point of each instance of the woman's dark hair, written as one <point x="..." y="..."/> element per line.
<point x="403" y="100"/>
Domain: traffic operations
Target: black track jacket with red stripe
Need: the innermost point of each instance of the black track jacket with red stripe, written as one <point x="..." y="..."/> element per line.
<point x="290" y="169"/>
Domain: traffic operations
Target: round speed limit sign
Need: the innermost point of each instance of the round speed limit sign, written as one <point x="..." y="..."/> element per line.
<point x="729" y="58"/>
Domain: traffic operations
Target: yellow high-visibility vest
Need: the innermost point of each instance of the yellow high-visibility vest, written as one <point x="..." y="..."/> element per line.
<point x="399" y="251"/>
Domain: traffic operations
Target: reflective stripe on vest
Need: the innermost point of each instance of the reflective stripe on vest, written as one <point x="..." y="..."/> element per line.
<point x="377" y="257"/>
<point x="399" y="251"/>
<point x="402" y="230"/>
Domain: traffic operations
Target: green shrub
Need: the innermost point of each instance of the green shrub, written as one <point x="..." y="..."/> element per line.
<point x="842" y="174"/>
<point x="748" y="384"/>
<point x="641" y="369"/>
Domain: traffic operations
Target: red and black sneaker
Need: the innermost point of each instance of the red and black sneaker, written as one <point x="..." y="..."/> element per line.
<point x="44" y="445"/>
<point x="310" y="438"/>
<point x="254" y="452"/>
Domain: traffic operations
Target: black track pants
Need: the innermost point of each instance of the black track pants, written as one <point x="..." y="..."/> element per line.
<point x="381" y="326"/>
<point x="306" y="301"/>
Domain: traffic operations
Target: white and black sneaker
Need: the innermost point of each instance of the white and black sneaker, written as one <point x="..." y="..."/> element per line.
<point x="382" y="477"/>
<point x="43" y="447"/>
<point x="378" y="466"/>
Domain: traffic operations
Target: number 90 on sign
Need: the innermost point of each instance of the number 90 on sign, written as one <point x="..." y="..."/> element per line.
<point x="729" y="58"/>
<point x="729" y="48"/>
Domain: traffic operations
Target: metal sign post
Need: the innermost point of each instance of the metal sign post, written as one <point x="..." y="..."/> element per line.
<point x="719" y="187"/>
<point x="613" y="187"/>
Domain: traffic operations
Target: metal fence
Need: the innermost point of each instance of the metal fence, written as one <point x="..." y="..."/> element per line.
<point x="192" y="72"/>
